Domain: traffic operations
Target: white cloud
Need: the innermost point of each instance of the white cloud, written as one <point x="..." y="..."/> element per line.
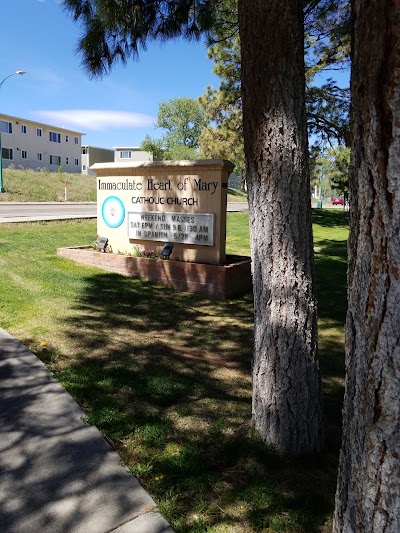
<point x="95" y="120"/>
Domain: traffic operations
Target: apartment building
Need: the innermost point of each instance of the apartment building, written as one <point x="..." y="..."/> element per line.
<point x="126" y="154"/>
<point x="29" y="144"/>
<point x="94" y="154"/>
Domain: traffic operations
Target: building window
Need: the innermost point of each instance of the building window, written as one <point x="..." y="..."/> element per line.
<point x="83" y="167"/>
<point x="84" y="151"/>
<point x="23" y="128"/>
<point x="76" y="140"/>
<point x="40" y="156"/>
<point x="66" y="138"/>
<point x="24" y="154"/>
<point x="55" y="160"/>
<point x="126" y="154"/>
<point x="77" y="162"/>
<point x="54" y="137"/>
<point x="7" y="153"/>
<point x="66" y="160"/>
<point x="38" y="132"/>
<point x="5" y="127"/>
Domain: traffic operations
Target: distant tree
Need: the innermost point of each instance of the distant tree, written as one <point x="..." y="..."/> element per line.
<point x="183" y="120"/>
<point x="222" y="142"/>
<point x="180" y="151"/>
<point x="368" y="489"/>
<point x="339" y="169"/>
<point x="331" y="166"/>
<point x="154" y="146"/>
<point x="224" y="106"/>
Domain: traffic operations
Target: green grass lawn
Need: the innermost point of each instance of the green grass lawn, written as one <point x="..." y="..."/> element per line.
<point x="166" y="376"/>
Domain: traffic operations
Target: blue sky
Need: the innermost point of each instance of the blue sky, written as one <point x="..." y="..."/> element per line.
<point x="40" y="38"/>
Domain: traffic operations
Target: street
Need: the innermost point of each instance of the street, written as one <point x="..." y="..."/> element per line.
<point x="26" y="212"/>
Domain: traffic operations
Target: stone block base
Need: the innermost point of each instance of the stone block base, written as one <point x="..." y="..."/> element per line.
<point x="214" y="281"/>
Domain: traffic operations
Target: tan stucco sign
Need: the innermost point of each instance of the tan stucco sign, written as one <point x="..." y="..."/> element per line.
<point x="148" y="204"/>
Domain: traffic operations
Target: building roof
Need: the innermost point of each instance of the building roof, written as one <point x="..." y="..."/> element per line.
<point x="25" y="120"/>
<point x="97" y="147"/>
<point x="134" y="148"/>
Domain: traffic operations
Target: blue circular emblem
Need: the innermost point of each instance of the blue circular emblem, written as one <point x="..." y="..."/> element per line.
<point x="113" y="212"/>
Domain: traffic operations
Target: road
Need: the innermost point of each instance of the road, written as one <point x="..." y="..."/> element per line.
<point x="27" y="212"/>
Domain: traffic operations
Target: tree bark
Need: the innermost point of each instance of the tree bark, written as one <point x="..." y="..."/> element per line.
<point x="287" y="407"/>
<point x="368" y="489"/>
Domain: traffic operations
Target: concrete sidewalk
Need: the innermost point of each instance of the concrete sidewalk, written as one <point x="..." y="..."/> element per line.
<point x="57" y="474"/>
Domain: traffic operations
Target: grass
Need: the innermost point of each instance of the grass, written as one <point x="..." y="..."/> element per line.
<point x="34" y="186"/>
<point x="37" y="186"/>
<point x="166" y="376"/>
<point x="237" y="195"/>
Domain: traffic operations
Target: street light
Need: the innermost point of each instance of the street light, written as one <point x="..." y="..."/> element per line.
<point x="319" y="202"/>
<point x="20" y="73"/>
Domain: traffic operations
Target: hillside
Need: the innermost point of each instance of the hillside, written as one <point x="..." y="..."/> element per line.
<point x="33" y="186"/>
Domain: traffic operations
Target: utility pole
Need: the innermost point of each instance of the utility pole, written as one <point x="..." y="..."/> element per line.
<point x="2" y="189"/>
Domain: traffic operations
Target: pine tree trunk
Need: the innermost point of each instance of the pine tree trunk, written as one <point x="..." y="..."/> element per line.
<point x="287" y="408"/>
<point x="368" y="490"/>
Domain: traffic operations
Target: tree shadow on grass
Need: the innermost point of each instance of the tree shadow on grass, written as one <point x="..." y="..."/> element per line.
<point x="331" y="280"/>
<point x="237" y="192"/>
<point x="166" y="377"/>
<point x="331" y="283"/>
<point x="330" y="218"/>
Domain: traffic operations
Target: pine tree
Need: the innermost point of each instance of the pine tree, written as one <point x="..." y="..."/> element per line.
<point x="368" y="495"/>
<point x="327" y="49"/>
<point x="287" y="406"/>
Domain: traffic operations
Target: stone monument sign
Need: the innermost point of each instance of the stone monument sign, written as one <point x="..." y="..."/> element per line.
<point x="144" y="205"/>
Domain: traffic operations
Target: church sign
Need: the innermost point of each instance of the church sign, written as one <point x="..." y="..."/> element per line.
<point x="144" y="205"/>
<point x="172" y="227"/>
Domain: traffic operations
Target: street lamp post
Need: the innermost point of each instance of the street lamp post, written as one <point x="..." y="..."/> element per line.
<point x="20" y="73"/>
<point x="319" y="202"/>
